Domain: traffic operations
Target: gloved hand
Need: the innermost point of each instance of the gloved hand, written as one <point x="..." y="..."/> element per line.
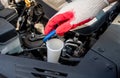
<point x="74" y="14"/>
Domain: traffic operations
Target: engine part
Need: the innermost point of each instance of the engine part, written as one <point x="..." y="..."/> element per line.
<point x="72" y="47"/>
<point x="29" y="17"/>
<point x="33" y="40"/>
<point x="72" y="50"/>
<point x="9" y="40"/>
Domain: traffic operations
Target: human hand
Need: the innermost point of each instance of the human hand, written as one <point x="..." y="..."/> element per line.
<point x="74" y="14"/>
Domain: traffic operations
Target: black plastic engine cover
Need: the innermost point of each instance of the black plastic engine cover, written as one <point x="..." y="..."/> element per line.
<point x="92" y="66"/>
<point x="7" y="31"/>
<point x="109" y="45"/>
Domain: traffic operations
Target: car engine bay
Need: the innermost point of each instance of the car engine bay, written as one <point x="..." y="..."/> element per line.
<point x="22" y="32"/>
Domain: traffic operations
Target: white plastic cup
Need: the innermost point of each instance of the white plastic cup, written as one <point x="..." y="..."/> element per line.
<point x="54" y="47"/>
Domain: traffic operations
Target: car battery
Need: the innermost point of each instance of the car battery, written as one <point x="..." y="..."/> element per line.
<point x="9" y="40"/>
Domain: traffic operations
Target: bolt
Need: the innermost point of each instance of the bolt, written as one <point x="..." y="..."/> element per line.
<point x="32" y="35"/>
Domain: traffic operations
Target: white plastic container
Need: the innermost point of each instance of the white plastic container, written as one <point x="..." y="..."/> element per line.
<point x="54" y="47"/>
<point x="11" y="47"/>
